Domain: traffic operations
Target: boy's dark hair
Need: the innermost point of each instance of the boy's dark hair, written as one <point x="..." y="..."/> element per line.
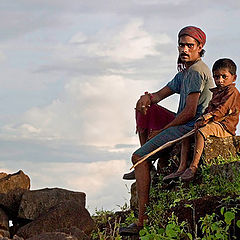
<point x="225" y="63"/>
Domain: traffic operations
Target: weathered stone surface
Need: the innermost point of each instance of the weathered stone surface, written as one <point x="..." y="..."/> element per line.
<point x="14" y="181"/>
<point x="3" y="175"/>
<point x="35" y="203"/>
<point x="10" y="201"/>
<point x="228" y="170"/>
<point x="53" y="236"/>
<point x="65" y="215"/>
<point x="15" y="237"/>
<point x="4" y="224"/>
<point x="76" y="232"/>
<point x="225" y="147"/>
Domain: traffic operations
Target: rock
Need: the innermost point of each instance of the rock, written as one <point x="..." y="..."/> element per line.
<point x="3" y="175"/>
<point x="10" y="201"/>
<point x="134" y="199"/>
<point x="35" y="203"/>
<point x="15" y="237"/>
<point x="53" y="236"/>
<point x="65" y="215"/>
<point x="14" y="181"/>
<point x="225" y="147"/>
<point x="76" y="232"/>
<point x="228" y="170"/>
<point x="4" y="224"/>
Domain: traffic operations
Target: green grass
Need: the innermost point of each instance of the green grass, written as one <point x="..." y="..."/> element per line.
<point x="162" y="220"/>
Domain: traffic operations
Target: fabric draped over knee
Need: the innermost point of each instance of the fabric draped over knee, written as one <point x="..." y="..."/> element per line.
<point x="157" y="117"/>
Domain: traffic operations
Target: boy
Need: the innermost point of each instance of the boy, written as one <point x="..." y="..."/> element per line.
<point x="219" y="119"/>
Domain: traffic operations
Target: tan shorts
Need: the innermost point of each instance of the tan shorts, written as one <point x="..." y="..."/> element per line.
<point x="214" y="129"/>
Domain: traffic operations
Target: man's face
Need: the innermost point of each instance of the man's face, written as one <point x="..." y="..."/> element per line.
<point x="189" y="49"/>
<point x="223" y="77"/>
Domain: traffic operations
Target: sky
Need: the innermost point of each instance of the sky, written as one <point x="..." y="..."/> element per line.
<point x="71" y="73"/>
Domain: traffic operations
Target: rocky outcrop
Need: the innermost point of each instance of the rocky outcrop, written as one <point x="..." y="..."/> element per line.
<point x="224" y="147"/>
<point x="14" y="181"/>
<point x="62" y="234"/>
<point x="35" y="203"/>
<point x="11" y="200"/>
<point x="50" y="213"/>
<point x="64" y="215"/>
<point x="4" y="225"/>
<point x="53" y="236"/>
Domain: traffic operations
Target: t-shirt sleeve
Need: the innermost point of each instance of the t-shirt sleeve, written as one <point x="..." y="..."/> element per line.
<point x="194" y="82"/>
<point x="175" y="84"/>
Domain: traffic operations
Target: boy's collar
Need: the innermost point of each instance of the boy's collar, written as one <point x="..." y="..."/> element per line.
<point x="215" y="89"/>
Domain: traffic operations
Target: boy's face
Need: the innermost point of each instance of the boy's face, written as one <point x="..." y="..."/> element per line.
<point x="223" y="77"/>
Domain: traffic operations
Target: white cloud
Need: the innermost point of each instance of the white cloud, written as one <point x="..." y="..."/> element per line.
<point x="92" y="111"/>
<point x="128" y="44"/>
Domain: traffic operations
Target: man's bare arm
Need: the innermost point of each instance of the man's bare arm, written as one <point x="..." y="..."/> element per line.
<point x="147" y="99"/>
<point x="161" y="94"/>
<point x="188" y="112"/>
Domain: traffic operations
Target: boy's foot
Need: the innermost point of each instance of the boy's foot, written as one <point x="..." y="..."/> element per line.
<point x="189" y="174"/>
<point x="131" y="230"/>
<point x="173" y="176"/>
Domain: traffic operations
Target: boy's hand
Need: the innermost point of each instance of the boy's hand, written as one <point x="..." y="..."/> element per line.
<point x="143" y="104"/>
<point x="199" y="124"/>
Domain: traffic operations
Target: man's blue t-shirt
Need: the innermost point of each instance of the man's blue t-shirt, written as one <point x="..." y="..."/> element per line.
<point x="196" y="78"/>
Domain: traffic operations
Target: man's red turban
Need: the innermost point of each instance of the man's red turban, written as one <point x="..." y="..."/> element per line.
<point x="195" y="33"/>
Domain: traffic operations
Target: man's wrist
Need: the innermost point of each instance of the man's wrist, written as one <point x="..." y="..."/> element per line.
<point x="150" y="96"/>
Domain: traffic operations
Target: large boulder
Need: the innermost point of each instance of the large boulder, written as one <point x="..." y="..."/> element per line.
<point x="4" y="224"/>
<point x="65" y="215"/>
<point x="224" y="147"/>
<point x="53" y="236"/>
<point x="62" y="234"/>
<point x="35" y="203"/>
<point x="10" y="202"/>
<point x="14" y="181"/>
<point x="76" y="232"/>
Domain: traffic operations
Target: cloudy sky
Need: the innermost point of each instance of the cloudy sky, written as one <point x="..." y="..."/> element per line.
<point x="71" y="72"/>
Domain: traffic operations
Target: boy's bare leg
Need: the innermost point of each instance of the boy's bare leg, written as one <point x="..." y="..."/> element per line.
<point x="143" y="178"/>
<point x="199" y="145"/>
<point x="185" y="149"/>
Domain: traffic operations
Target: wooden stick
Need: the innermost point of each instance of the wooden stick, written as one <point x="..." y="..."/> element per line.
<point x="168" y="144"/>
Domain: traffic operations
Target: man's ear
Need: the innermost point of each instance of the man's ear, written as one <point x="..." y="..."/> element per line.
<point x="200" y="47"/>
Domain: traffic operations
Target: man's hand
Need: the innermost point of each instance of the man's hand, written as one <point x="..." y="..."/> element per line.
<point x="200" y="124"/>
<point x="143" y="103"/>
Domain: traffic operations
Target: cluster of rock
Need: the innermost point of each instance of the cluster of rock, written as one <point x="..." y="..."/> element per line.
<point x="41" y="214"/>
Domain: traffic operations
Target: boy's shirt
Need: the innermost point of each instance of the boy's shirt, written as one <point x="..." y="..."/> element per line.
<point x="225" y="107"/>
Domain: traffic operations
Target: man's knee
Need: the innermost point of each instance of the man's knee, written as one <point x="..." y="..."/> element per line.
<point x="135" y="158"/>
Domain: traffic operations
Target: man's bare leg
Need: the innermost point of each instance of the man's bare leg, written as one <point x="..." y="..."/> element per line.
<point x="143" y="179"/>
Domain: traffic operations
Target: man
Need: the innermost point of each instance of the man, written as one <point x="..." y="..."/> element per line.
<point x="192" y="82"/>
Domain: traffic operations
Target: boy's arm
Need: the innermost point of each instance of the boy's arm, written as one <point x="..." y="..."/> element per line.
<point x="227" y="105"/>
